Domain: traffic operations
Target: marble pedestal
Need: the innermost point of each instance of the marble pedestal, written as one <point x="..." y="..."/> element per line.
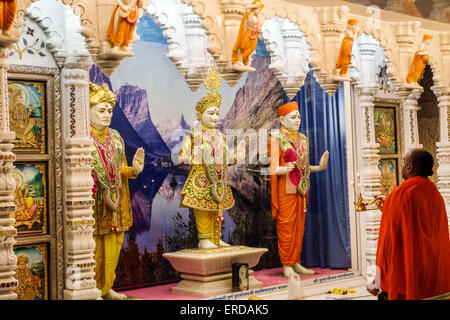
<point x="207" y="272"/>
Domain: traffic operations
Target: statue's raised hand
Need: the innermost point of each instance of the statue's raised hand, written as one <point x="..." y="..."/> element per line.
<point x="138" y="161"/>
<point x="324" y="160"/>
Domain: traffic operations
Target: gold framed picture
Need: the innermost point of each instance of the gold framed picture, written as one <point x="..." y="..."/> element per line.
<point x="385" y="129"/>
<point x="27" y="115"/>
<point x="389" y="177"/>
<point x="32" y="272"/>
<point x="30" y="197"/>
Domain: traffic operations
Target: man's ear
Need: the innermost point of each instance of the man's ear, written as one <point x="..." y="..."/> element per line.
<point x="410" y="167"/>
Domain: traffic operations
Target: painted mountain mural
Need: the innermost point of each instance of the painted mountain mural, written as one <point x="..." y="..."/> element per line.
<point x="256" y="102"/>
<point x="172" y="131"/>
<point x="134" y="104"/>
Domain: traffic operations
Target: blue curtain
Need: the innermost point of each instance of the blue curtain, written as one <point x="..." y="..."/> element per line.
<point x="326" y="241"/>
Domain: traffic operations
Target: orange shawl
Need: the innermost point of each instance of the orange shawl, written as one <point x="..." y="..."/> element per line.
<point x="413" y="251"/>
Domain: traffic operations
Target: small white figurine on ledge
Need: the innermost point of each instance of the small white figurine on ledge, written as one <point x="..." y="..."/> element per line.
<point x="289" y="183"/>
<point x="206" y="189"/>
<point x="419" y="62"/>
<point x="345" y="52"/>
<point x="247" y="38"/>
<point x="123" y="23"/>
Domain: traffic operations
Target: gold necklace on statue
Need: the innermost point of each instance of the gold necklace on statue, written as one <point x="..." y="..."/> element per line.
<point x="291" y="134"/>
<point x="100" y="134"/>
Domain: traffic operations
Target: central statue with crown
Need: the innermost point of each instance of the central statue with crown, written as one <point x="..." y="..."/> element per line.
<point x="204" y="148"/>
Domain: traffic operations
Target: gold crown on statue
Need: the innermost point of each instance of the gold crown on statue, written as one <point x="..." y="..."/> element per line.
<point x="99" y="94"/>
<point x="213" y="98"/>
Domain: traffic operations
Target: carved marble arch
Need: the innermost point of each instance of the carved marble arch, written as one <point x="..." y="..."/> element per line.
<point x="387" y="43"/>
<point x="371" y="65"/>
<point x="214" y="13"/>
<point x="186" y="37"/>
<point x="289" y="53"/>
<point x="80" y="8"/>
<point x="59" y="23"/>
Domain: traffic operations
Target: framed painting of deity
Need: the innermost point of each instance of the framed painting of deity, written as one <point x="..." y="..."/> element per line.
<point x="389" y="177"/>
<point x="30" y="198"/>
<point x="32" y="272"/>
<point x="27" y="115"/>
<point x="385" y="129"/>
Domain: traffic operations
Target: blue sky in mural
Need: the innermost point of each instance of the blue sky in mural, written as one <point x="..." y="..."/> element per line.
<point x="149" y="31"/>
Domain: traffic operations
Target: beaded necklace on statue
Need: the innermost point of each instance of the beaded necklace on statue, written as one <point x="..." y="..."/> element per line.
<point x="214" y="149"/>
<point x="107" y="156"/>
<point x="299" y="143"/>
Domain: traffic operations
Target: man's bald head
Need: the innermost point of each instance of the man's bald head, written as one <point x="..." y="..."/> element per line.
<point x="417" y="162"/>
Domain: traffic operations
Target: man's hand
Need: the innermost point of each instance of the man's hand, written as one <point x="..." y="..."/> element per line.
<point x="372" y="289"/>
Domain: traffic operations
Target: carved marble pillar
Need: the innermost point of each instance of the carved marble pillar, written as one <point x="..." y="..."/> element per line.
<point x="78" y="182"/>
<point x="295" y="71"/>
<point x="367" y="89"/>
<point x="333" y="21"/>
<point x="289" y="53"/>
<point x="410" y="107"/>
<point x="7" y="185"/>
<point x="370" y="177"/>
<point x="199" y="60"/>
<point x="443" y="147"/>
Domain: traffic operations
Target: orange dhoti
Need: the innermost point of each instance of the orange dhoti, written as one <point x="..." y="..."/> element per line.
<point x="288" y="210"/>
<point x="120" y="32"/>
<point x="345" y="55"/>
<point x="290" y="222"/>
<point x="417" y="66"/>
<point x="7" y="13"/>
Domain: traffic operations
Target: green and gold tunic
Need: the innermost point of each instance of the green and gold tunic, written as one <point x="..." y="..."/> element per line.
<point x="112" y="210"/>
<point x="206" y="186"/>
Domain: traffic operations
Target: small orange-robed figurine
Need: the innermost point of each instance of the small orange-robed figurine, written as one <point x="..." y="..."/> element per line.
<point x="247" y="38"/>
<point x="123" y="22"/>
<point x="345" y="53"/>
<point x="419" y="61"/>
<point x="7" y="13"/>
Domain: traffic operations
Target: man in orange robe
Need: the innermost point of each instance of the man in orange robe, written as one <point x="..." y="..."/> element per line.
<point x="7" y="13"/>
<point x="123" y="22"/>
<point x="247" y="38"/>
<point x="289" y="180"/>
<point x="345" y="52"/>
<point x="413" y="254"/>
<point x="419" y="61"/>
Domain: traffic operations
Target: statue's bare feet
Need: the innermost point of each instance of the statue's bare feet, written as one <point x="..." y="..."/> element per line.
<point x="112" y="295"/>
<point x="223" y="244"/>
<point x="206" y="244"/>
<point x="302" y="270"/>
<point x="287" y="271"/>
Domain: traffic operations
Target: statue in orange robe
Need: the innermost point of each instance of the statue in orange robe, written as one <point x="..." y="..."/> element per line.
<point x="413" y="254"/>
<point x="289" y="180"/>
<point x="247" y="38"/>
<point x="345" y="52"/>
<point x="7" y="14"/>
<point x="123" y="22"/>
<point x="419" y="61"/>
